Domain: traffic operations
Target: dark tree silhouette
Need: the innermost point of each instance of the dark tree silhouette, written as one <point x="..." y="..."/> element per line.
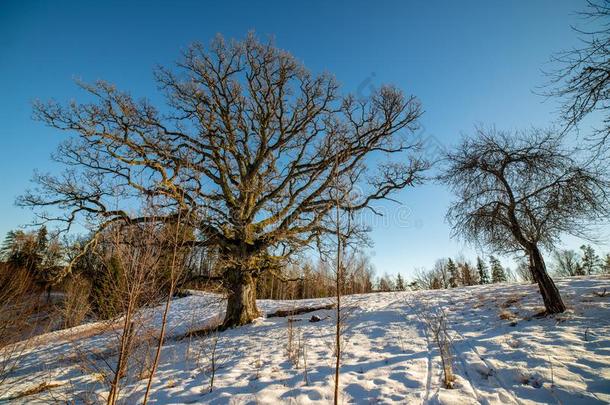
<point x="521" y="192"/>
<point x="37" y="253"/>
<point x="590" y="261"/>
<point x="482" y="271"/>
<point x="246" y="152"/>
<point x="400" y="283"/>
<point x="498" y="274"/>
<point x="453" y="273"/>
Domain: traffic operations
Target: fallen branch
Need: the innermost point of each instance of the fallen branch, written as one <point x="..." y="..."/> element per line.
<point x="203" y="332"/>
<point x="281" y="313"/>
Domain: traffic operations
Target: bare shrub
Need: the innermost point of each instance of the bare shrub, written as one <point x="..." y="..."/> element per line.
<point x="291" y="349"/>
<point x="259" y="362"/>
<point x="75" y="306"/>
<point x="175" y="271"/>
<point x="506" y="315"/>
<point x="134" y="260"/>
<point x="437" y="324"/>
<point x="19" y="306"/>
<point x="211" y="353"/>
<point x="295" y="349"/>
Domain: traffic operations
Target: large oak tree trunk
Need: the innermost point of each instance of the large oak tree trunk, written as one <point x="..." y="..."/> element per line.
<point x="241" y="302"/>
<point x="550" y="294"/>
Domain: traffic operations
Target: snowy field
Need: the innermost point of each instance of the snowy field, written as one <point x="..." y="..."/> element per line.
<point x="503" y="353"/>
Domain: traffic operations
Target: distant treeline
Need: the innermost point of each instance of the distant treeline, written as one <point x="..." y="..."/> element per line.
<point x="43" y="256"/>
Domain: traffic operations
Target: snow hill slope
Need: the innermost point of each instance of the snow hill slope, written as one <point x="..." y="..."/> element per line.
<point x="503" y="353"/>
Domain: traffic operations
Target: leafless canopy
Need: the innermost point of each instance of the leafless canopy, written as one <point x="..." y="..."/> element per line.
<point x="249" y="145"/>
<point x="249" y="150"/>
<point x="582" y="79"/>
<point x="528" y="178"/>
<point x="522" y="191"/>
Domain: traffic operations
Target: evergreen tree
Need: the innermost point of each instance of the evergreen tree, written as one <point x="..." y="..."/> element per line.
<point x="498" y="275"/>
<point x="400" y="284"/>
<point x="482" y="270"/>
<point x="37" y="254"/>
<point x="590" y="261"/>
<point x="9" y="245"/>
<point x="28" y="250"/>
<point x="19" y="248"/>
<point x="453" y="274"/>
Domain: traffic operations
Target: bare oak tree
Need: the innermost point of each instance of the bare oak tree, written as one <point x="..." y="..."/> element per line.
<point x="521" y="192"/>
<point x="246" y="149"/>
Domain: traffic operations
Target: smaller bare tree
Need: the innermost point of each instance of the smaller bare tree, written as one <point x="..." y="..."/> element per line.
<point x="566" y="263"/>
<point x="175" y="270"/>
<point x="339" y="282"/>
<point x="520" y="192"/>
<point x="134" y="261"/>
<point x="345" y="232"/>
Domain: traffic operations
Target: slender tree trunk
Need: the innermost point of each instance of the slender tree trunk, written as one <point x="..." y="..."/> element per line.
<point x="338" y="325"/>
<point x="241" y="302"/>
<point x="550" y="294"/>
<point x="168" y="301"/>
<point x="159" y="344"/>
<point x="338" y="332"/>
<point x="128" y="330"/>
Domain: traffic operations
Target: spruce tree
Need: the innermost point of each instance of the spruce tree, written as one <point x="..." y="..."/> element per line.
<point x="400" y="284"/>
<point x="498" y="274"/>
<point x="453" y="274"/>
<point x="590" y="261"/>
<point x="35" y="252"/>
<point x="483" y="272"/>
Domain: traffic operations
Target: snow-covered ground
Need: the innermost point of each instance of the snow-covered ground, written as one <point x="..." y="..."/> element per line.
<point x="503" y="352"/>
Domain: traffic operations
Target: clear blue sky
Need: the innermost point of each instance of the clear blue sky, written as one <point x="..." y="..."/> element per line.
<point x="469" y="62"/>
